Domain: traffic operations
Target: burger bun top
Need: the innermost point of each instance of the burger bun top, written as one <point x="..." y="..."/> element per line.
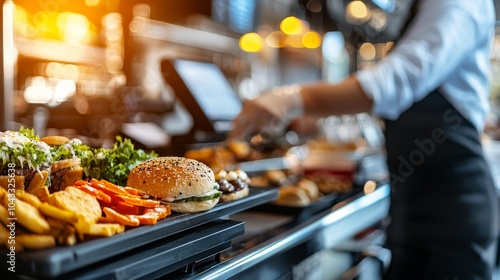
<point x="172" y="178"/>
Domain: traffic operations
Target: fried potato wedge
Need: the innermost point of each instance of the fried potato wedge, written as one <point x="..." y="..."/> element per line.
<point x="28" y="197"/>
<point x="28" y="216"/>
<point x="77" y="201"/>
<point x="58" y="213"/>
<point x="4" y="235"/>
<point x="105" y="229"/>
<point x="42" y="192"/>
<point x="18" y="182"/>
<point x="36" y="241"/>
<point x="38" y="180"/>
<point x="4" y="215"/>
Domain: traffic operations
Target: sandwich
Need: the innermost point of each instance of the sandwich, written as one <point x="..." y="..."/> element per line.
<point x="66" y="161"/>
<point x="24" y="160"/>
<point x="187" y="184"/>
<point x="233" y="184"/>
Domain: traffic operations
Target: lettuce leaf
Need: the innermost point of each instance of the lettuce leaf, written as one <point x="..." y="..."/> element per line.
<point x="23" y="149"/>
<point x="116" y="163"/>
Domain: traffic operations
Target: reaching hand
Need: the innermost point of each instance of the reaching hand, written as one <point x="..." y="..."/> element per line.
<point x="268" y="114"/>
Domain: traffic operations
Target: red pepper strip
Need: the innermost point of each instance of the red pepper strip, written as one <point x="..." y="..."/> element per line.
<point x="126" y="208"/>
<point x="128" y="220"/>
<point x="162" y="210"/>
<point x="132" y="191"/>
<point x="147" y="219"/>
<point x="114" y="188"/>
<point x="80" y="182"/>
<point x="139" y="201"/>
<point x="96" y="193"/>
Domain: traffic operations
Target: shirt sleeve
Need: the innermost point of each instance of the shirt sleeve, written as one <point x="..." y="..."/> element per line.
<point x="438" y="40"/>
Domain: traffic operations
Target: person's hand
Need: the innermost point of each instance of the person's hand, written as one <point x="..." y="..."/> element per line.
<point x="269" y="114"/>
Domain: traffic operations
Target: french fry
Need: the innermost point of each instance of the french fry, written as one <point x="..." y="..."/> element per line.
<point x="55" y="223"/>
<point x="28" y="197"/>
<point x="58" y="213"/>
<point x="2" y="192"/>
<point x="6" y="181"/>
<point x="36" y="241"/>
<point x="42" y="192"/>
<point x="29" y="217"/>
<point x="38" y="180"/>
<point x="4" y="235"/>
<point x="105" y="229"/>
<point x="68" y="237"/>
<point x="4" y="215"/>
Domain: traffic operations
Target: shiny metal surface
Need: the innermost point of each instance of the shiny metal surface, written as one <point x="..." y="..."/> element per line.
<point x="344" y="221"/>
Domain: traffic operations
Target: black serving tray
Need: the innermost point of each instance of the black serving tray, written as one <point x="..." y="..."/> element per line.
<point x="50" y="263"/>
<point x="323" y="203"/>
<point x="167" y="255"/>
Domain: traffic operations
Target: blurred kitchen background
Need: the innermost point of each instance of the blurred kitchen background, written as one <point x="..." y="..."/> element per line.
<point x="92" y="68"/>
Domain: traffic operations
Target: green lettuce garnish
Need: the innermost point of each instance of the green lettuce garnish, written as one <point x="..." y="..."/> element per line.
<point x="72" y="149"/>
<point x="23" y="149"/>
<point x="116" y="163"/>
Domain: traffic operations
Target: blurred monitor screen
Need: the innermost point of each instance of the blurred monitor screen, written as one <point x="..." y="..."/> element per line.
<point x="205" y="91"/>
<point x="388" y="6"/>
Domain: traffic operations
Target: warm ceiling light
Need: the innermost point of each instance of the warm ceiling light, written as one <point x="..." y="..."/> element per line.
<point x="311" y="40"/>
<point x="251" y="42"/>
<point x="357" y="9"/>
<point x="295" y="41"/>
<point x="357" y="12"/>
<point x="276" y="39"/>
<point x="92" y="3"/>
<point x="367" y="51"/>
<point x="291" y="25"/>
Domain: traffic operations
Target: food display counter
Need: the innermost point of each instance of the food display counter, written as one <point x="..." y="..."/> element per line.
<point x="229" y="241"/>
<point x="276" y="251"/>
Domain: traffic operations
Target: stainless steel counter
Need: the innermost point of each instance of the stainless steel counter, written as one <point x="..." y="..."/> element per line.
<point x="277" y="255"/>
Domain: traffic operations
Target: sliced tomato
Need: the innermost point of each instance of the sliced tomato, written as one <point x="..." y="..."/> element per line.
<point x="139" y="201"/>
<point x="96" y="193"/>
<point x="127" y="220"/>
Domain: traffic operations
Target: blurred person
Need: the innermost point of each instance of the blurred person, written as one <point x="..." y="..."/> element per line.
<point x="432" y="92"/>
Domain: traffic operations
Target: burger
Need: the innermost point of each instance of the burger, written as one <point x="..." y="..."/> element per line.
<point x="23" y="158"/>
<point x="66" y="161"/>
<point x="187" y="184"/>
<point x="233" y="184"/>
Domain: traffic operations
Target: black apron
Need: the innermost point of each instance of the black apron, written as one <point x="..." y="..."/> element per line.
<point x="443" y="201"/>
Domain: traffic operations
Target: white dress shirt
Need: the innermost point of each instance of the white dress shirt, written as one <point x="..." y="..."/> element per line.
<point x="447" y="46"/>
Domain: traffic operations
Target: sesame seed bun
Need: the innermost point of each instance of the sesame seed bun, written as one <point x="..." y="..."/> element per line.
<point x="174" y="178"/>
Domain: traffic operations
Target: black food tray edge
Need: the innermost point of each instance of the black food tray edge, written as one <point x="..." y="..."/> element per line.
<point x="322" y="203"/>
<point x="59" y="260"/>
<point x="166" y="255"/>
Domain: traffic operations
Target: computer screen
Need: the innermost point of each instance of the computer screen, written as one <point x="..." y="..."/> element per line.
<point x="204" y="91"/>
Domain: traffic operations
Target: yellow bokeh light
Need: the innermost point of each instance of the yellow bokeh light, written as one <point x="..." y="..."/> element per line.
<point x="295" y="41"/>
<point x="276" y="39"/>
<point x="357" y="9"/>
<point x="92" y="3"/>
<point x="251" y="42"/>
<point x="74" y="28"/>
<point x="367" y="51"/>
<point x="291" y="26"/>
<point x="311" y="40"/>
